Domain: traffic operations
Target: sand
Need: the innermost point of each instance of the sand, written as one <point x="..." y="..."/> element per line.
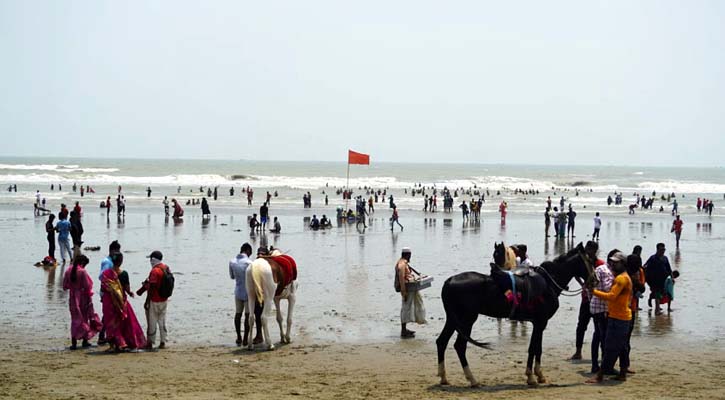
<point x="397" y="369"/>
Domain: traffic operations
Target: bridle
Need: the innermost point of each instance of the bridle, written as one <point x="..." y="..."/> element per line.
<point x="564" y="291"/>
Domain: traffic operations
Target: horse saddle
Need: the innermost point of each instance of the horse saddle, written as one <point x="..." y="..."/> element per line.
<point x="288" y="270"/>
<point x="529" y="283"/>
<point x="526" y="283"/>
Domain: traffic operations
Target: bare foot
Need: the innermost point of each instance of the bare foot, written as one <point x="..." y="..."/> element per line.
<point x="596" y="379"/>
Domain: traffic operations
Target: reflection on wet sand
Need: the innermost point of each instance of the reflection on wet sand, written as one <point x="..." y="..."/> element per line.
<point x="659" y="325"/>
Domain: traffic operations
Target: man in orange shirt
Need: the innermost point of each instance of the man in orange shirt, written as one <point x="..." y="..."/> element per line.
<point x="618" y="321"/>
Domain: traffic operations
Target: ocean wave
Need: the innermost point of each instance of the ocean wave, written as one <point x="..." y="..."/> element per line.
<point x="55" y="167"/>
<point x="679" y="187"/>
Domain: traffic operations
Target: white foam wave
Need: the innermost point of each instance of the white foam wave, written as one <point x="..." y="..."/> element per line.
<point x="682" y="187"/>
<point x="55" y="167"/>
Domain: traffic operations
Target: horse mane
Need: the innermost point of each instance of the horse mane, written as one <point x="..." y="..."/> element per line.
<point x="568" y="255"/>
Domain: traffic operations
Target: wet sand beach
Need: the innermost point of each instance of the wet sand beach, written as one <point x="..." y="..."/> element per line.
<point x="404" y="370"/>
<point x="345" y="332"/>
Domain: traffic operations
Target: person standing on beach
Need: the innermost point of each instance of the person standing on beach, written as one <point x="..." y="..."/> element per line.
<point x="585" y="314"/>
<point x="657" y="270"/>
<point x="148" y="192"/>
<point x="412" y="308"/>
<point x="264" y="215"/>
<point x="677" y="229"/>
<point x="155" y="300"/>
<point x="76" y="230"/>
<point x="547" y="220"/>
<point x="205" y="212"/>
<point x="166" y="205"/>
<point x="618" y="320"/>
<point x="598" y="310"/>
<point x="394" y="219"/>
<point x="107" y="263"/>
<point x="84" y="320"/>
<point x="464" y="210"/>
<point x="571" y="215"/>
<point x="237" y="271"/>
<point x="108" y="206"/>
<point x="562" y="222"/>
<point x="63" y="229"/>
<point x="597" y="226"/>
<point x="50" y="231"/>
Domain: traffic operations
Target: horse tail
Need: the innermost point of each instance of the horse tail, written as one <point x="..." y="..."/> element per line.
<point x="257" y="279"/>
<point x="457" y="322"/>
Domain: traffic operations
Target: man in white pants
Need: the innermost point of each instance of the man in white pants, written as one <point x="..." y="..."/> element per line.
<point x="155" y="304"/>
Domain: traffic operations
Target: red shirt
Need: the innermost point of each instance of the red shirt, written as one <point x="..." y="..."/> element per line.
<point x="677" y="225"/>
<point x="155" y="278"/>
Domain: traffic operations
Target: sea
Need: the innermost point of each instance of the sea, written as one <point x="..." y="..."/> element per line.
<point x="589" y="185"/>
<point x="345" y="278"/>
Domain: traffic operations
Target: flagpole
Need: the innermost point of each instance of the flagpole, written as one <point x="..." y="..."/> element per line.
<point x="347" y="189"/>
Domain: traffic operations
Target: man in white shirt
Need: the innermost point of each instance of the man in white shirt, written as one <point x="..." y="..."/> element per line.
<point x="237" y="271"/>
<point x="597" y="226"/>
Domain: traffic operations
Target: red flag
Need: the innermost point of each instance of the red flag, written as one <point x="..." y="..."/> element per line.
<point x="357" y="158"/>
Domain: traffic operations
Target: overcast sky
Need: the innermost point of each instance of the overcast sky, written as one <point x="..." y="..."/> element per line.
<point x="568" y="82"/>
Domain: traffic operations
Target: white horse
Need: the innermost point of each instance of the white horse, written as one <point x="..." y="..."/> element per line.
<point x="264" y="278"/>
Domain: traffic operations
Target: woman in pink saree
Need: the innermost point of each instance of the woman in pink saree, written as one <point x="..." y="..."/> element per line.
<point x="85" y="323"/>
<point x="122" y="328"/>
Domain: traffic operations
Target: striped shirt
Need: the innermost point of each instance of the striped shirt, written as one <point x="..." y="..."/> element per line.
<point x="605" y="277"/>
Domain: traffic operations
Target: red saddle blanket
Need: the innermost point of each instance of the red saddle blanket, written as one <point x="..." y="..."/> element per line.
<point x="289" y="268"/>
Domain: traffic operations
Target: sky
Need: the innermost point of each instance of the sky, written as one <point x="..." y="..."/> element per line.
<point x="531" y="82"/>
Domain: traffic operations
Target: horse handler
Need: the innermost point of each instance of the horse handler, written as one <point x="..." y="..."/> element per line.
<point x="412" y="309"/>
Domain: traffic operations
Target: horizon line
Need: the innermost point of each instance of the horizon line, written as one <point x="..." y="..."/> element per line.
<point x="372" y="161"/>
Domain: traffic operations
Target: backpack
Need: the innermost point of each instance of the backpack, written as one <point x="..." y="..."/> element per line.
<point x="166" y="287"/>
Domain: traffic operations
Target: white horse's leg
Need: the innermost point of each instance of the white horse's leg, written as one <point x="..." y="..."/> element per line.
<point x="251" y="303"/>
<point x="277" y="301"/>
<point x="269" y="288"/>
<point x="290" y="308"/>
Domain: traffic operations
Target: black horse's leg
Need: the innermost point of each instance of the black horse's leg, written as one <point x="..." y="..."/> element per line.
<point x="530" y="360"/>
<point x="535" y="353"/>
<point x="460" y="346"/>
<point x="442" y="343"/>
<point x="537" y="365"/>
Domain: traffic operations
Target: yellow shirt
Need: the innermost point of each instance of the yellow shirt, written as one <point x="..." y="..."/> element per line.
<point x="618" y="297"/>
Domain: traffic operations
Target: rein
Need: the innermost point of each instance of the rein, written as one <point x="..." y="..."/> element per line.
<point x="563" y="291"/>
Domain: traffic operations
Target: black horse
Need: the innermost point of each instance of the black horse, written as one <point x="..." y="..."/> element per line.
<point x="469" y="294"/>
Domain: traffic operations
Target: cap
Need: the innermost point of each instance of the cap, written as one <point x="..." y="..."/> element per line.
<point x="618" y="257"/>
<point x="406" y="250"/>
<point x="156" y="254"/>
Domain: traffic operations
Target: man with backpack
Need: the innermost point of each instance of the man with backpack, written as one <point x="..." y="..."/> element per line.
<point x="160" y="285"/>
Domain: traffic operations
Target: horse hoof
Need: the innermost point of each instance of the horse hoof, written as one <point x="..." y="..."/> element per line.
<point x="444" y="382"/>
<point x="270" y="348"/>
<point x="475" y="385"/>
<point x="287" y="339"/>
<point x="542" y="380"/>
<point x="532" y="382"/>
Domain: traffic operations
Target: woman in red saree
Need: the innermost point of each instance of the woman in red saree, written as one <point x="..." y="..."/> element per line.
<point x="122" y="328"/>
<point x="85" y="323"/>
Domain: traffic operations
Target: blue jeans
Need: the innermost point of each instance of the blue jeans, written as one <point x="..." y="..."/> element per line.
<point x="64" y="245"/>
<point x="599" y="338"/>
<point x="615" y="345"/>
